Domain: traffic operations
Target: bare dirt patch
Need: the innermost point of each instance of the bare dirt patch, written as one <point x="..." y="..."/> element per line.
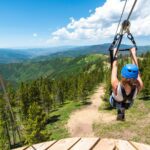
<point x="81" y="121"/>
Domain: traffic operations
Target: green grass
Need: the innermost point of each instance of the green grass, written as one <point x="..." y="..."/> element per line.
<point x="135" y="128"/>
<point x="57" y="130"/>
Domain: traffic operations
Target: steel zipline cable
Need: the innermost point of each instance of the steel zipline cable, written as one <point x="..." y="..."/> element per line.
<point x="132" y="9"/>
<point x="129" y="15"/>
<point x="121" y="16"/>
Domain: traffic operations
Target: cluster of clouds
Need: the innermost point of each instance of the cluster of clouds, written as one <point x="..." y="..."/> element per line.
<point x="101" y="24"/>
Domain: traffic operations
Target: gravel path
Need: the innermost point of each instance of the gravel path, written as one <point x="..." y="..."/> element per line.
<point x="81" y="121"/>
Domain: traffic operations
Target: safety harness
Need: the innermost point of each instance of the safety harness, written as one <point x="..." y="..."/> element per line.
<point x="125" y="29"/>
<point x="127" y="97"/>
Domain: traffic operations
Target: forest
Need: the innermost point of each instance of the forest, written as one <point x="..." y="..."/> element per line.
<point x="33" y="101"/>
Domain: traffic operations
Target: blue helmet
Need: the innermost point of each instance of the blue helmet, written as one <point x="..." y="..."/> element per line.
<point x="130" y="71"/>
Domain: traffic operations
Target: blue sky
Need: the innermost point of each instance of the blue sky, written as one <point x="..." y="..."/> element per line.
<point x="44" y="23"/>
<point x="20" y="19"/>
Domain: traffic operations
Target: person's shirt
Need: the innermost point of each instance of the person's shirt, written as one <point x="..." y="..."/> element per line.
<point x="119" y="96"/>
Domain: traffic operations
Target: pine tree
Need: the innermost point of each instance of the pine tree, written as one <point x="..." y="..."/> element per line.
<point x="45" y="97"/>
<point x="23" y="97"/>
<point x="34" y="125"/>
<point x="4" y="135"/>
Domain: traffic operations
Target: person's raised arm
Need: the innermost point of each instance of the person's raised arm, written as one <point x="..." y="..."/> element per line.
<point x="114" y="79"/>
<point x="133" y="56"/>
<point x="135" y="61"/>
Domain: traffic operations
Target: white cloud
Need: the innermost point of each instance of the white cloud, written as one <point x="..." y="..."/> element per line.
<point x="35" y="34"/>
<point x="101" y="25"/>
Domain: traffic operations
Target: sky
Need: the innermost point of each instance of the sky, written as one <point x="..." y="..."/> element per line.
<point x="46" y="23"/>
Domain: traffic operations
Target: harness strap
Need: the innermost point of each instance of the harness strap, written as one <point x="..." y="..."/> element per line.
<point x="127" y="97"/>
<point x="120" y="105"/>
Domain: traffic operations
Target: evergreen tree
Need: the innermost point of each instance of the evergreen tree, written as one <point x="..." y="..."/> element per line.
<point x="45" y="97"/>
<point x="24" y="100"/>
<point x="4" y="133"/>
<point x="34" y="125"/>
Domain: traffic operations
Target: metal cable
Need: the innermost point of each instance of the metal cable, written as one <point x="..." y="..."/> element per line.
<point x="121" y="16"/>
<point x="131" y="10"/>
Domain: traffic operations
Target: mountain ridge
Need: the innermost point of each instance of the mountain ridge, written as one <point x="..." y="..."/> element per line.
<point x="40" y="54"/>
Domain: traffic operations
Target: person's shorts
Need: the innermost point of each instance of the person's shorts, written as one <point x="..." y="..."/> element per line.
<point x="119" y="105"/>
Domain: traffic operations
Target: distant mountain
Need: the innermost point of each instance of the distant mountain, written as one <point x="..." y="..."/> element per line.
<point x="143" y="49"/>
<point x="42" y="54"/>
<point x="94" y="49"/>
<point x="21" y="55"/>
<point x="35" y="52"/>
<point x="85" y="50"/>
<point x="13" y="56"/>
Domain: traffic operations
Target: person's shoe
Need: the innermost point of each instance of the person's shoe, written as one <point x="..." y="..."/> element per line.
<point x="121" y="114"/>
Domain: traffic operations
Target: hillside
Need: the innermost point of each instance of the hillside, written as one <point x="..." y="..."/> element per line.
<point x="28" y="65"/>
<point x="9" y="55"/>
<point x="42" y="54"/>
<point x="13" y="56"/>
<point x="54" y="67"/>
<point x="31" y="70"/>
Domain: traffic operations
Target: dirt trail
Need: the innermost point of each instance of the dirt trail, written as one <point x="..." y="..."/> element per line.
<point x="81" y="121"/>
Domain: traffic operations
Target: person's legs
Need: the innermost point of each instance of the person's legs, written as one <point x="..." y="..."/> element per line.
<point x="120" y="108"/>
<point x="112" y="102"/>
<point x="121" y="114"/>
<point x="128" y="104"/>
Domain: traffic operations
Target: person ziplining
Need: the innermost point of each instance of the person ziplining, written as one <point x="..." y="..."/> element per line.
<point x="125" y="91"/>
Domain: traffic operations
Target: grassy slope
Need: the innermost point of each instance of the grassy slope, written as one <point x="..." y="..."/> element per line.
<point x="57" y="128"/>
<point x="135" y="128"/>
